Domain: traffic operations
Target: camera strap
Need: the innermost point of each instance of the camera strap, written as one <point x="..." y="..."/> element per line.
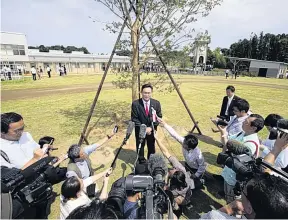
<point x="256" y="154"/>
<point x="5" y="156"/>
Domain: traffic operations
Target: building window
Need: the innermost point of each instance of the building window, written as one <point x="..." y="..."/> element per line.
<point x="9" y="49"/>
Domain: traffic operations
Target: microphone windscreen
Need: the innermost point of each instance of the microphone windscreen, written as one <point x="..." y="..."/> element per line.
<point x="142" y="132"/>
<point x="157" y="161"/>
<point x="237" y="148"/>
<point x="36" y="167"/>
<point x="130" y="129"/>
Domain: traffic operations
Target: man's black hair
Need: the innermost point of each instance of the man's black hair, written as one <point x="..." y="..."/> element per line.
<point x="74" y="151"/>
<point x="7" y="119"/>
<point x="232" y="88"/>
<point x="258" y="122"/>
<point x="70" y="188"/>
<point x="242" y="105"/>
<point x="191" y="141"/>
<point x="268" y="196"/>
<point x="148" y="85"/>
<point x="271" y="120"/>
<point x="95" y="210"/>
<point x="178" y="181"/>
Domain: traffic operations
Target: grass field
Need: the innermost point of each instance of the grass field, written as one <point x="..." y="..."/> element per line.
<point x="63" y="116"/>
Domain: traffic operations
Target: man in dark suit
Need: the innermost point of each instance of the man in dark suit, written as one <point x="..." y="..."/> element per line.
<point x="228" y="102"/>
<point x="141" y="113"/>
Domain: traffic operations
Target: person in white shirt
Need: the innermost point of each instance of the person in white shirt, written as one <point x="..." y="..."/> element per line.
<point x="48" y="69"/>
<point x="33" y="72"/>
<point x="251" y="126"/>
<point x="194" y="159"/>
<point x="73" y="191"/>
<point x="18" y="149"/>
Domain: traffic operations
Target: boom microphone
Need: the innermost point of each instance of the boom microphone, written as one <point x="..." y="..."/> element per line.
<point x="155" y="162"/>
<point x="238" y="148"/>
<point x="130" y="129"/>
<point x="142" y="132"/>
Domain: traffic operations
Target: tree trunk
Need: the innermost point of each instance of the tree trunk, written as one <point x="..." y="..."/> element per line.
<point x="135" y="57"/>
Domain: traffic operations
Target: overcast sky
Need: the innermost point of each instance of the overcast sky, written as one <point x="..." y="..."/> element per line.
<point x="66" y="22"/>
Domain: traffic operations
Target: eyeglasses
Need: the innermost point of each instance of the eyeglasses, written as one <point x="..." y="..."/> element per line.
<point x="19" y="130"/>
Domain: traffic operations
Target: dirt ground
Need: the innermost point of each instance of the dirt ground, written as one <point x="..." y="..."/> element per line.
<point x="7" y="95"/>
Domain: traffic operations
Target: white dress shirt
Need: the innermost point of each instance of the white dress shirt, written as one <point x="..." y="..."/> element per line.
<point x="33" y="70"/>
<point x="148" y="104"/>
<point x="228" y="104"/>
<point x="193" y="158"/>
<point x="18" y="152"/>
<point x="235" y="125"/>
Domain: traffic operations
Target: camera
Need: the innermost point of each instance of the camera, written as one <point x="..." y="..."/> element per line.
<point x="222" y="120"/>
<point x="282" y="126"/>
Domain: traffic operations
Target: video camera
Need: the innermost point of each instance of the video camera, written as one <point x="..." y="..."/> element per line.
<point x="32" y="185"/>
<point x="155" y="201"/>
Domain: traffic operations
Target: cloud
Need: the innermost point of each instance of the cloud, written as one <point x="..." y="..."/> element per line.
<point x="66" y="22"/>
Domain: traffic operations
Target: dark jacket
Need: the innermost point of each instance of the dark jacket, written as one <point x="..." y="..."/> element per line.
<point x="138" y="115"/>
<point x="224" y="106"/>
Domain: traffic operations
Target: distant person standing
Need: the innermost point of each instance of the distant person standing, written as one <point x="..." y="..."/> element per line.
<point x="227" y="73"/>
<point x="236" y="73"/>
<point x="38" y="73"/>
<point x="48" y="69"/>
<point x="33" y="71"/>
<point x="41" y="71"/>
<point x="64" y="69"/>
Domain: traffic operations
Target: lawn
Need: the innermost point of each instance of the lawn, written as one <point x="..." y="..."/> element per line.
<point x="63" y="116"/>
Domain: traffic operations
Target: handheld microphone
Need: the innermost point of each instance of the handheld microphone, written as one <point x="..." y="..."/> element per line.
<point x="142" y="132"/>
<point x="130" y="129"/>
<point x="238" y="148"/>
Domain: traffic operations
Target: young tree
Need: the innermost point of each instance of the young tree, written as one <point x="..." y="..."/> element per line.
<point x="167" y="22"/>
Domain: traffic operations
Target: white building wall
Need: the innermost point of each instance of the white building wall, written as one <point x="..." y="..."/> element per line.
<point x="264" y="64"/>
<point x="8" y="38"/>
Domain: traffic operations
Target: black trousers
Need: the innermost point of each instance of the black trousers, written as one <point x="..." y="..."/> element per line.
<point x="34" y="76"/>
<point x="49" y="74"/>
<point x="150" y="144"/>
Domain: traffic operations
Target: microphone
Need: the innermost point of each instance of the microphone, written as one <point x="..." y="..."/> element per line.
<point x="142" y="132"/>
<point x="130" y="129"/>
<point x="238" y="148"/>
<point x="154" y="115"/>
<point x="155" y="162"/>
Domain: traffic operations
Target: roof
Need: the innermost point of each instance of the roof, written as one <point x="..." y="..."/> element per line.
<point x="249" y="59"/>
<point x="7" y="32"/>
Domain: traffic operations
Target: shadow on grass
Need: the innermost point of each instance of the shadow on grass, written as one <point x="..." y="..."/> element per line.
<point x="129" y="157"/>
<point x="208" y="140"/>
<point x="211" y="158"/>
<point x="106" y="114"/>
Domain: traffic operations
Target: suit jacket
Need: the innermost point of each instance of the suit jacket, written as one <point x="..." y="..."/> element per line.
<point x="138" y="114"/>
<point x="224" y="106"/>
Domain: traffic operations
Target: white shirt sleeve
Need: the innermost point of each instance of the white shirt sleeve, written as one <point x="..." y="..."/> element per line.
<point x="174" y="134"/>
<point x="4" y="163"/>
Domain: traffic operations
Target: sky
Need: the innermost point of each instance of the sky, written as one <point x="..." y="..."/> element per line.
<point x="66" y="22"/>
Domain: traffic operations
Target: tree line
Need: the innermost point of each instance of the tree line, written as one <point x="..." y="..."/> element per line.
<point x="67" y="49"/>
<point x="263" y="47"/>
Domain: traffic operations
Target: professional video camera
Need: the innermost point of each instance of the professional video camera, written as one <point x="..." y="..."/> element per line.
<point x="32" y="185"/>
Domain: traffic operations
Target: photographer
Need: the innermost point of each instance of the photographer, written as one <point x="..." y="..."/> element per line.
<point x="251" y="126"/>
<point x="18" y="149"/>
<point x="79" y="157"/>
<point x="263" y="197"/>
<point x="193" y="156"/>
<point x="181" y="183"/>
<point x="73" y="191"/>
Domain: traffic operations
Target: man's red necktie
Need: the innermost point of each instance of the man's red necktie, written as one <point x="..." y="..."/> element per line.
<point x="146" y="109"/>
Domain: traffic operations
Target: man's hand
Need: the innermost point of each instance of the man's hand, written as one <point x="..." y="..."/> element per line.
<point x="148" y="131"/>
<point x="38" y="154"/>
<point x="161" y="121"/>
<point x="107" y="174"/>
<point x="281" y="142"/>
<point x="222" y="129"/>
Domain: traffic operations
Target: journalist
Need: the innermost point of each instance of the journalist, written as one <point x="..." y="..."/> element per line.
<point x="131" y="205"/>
<point x="80" y="162"/>
<point x="180" y="181"/>
<point x="18" y="148"/>
<point x="194" y="159"/>
<point x="263" y="197"/>
<point x="251" y="126"/>
<point x="73" y="191"/>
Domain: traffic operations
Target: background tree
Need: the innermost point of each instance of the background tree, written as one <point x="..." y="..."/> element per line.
<point x="166" y="21"/>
